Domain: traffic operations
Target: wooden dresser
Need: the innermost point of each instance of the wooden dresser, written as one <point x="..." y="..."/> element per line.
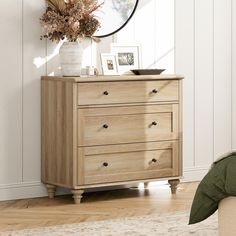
<point x="110" y="130"/>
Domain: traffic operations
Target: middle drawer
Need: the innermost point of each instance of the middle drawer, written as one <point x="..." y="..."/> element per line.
<point x="116" y="125"/>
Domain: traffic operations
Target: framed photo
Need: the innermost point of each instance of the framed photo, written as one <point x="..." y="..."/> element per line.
<point x="109" y="64"/>
<point x="128" y="57"/>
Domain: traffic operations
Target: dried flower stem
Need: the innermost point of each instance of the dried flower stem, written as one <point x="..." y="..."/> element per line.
<point x="70" y="19"/>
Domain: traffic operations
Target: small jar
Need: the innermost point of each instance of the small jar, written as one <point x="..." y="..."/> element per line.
<point x="90" y="70"/>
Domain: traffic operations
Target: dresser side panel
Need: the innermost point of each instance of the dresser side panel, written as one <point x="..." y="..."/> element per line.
<point x="57" y="133"/>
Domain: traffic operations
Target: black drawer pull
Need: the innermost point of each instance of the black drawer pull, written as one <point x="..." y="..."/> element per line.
<point x="105" y="164"/>
<point x="105" y="126"/>
<point x="105" y="93"/>
<point x="154" y="160"/>
<point x="154" y="90"/>
<point x="154" y="123"/>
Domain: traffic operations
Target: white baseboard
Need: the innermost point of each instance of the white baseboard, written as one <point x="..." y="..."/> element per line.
<point x="37" y="189"/>
<point x="26" y="190"/>
<point x="194" y="173"/>
<point x="22" y="190"/>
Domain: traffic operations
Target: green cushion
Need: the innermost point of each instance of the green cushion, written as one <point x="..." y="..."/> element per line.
<point x="219" y="182"/>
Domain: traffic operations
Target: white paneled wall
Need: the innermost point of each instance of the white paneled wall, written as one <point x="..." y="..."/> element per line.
<point x="184" y="63"/>
<point x="196" y="38"/>
<point x="165" y="35"/>
<point x="146" y="37"/>
<point x="33" y="51"/>
<point x="205" y="52"/>
<point x="204" y="83"/>
<point x="222" y="76"/>
<point x="11" y="92"/>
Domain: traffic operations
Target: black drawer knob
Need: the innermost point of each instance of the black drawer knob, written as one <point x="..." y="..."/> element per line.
<point x="154" y="123"/>
<point x="105" y="126"/>
<point x="154" y="160"/>
<point x="105" y="164"/>
<point x="154" y="90"/>
<point x="105" y="93"/>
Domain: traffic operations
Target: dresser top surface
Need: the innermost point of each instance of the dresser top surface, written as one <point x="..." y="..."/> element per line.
<point x="106" y="78"/>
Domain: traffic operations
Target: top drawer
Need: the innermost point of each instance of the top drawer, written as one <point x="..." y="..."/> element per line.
<point x="127" y="92"/>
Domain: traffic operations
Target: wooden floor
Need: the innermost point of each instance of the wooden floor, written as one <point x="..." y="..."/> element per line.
<point x="38" y="212"/>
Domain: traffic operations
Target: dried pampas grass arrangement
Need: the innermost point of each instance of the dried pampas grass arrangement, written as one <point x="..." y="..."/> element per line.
<point x="70" y="19"/>
<point x="57" y="5"/>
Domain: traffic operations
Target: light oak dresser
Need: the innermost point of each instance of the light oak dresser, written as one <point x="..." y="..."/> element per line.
<point x="110" y="130"/>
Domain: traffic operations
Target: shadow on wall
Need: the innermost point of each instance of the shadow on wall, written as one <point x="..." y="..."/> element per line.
<point x="142" y="4"/>
<point x="171" y="50"/>
<point x="52" y="59"/>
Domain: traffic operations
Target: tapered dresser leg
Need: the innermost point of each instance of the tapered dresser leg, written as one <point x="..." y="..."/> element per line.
<point x="173" y="185"/>
<point x="77" y="195"/>
<point x="51" y="190"/>
<point x="146" y="185"/>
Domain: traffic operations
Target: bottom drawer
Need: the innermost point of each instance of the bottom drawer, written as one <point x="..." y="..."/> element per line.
<point x="106" y="164"/>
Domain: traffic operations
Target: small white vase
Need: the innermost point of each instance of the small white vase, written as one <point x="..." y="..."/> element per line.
<point x="71" y="55"/>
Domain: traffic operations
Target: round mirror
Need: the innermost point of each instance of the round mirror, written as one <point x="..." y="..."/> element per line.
<point x="114" y="15"/>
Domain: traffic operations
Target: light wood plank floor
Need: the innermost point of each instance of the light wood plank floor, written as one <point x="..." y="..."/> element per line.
<point x="38" y="212"/>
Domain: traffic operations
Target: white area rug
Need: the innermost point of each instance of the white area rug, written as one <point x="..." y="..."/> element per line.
<point x="150" y="225"/>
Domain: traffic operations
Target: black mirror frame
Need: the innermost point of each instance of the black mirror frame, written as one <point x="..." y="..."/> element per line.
<point x="106" y="35"/>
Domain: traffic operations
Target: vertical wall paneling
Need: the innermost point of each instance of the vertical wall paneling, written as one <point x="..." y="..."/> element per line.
<point x="52" y="58"/>
<point x="93" y="53"/>
<point x="127" y="34"/>
<point x="204" y="82"/>
<point x="11" y="92"/>
<point x="144" y="31"/>
<point x="102" y="47"/>
<point x="184" y="64"/>
<point x="233" y="63"/>
<point x="164" y="35"/>
<point x="87" y="52"/>
<point x="222" y="77"/>
<point x="34" y="58"/>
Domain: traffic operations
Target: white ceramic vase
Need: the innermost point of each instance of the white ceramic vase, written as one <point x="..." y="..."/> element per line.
<point x="71" y="55"/>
